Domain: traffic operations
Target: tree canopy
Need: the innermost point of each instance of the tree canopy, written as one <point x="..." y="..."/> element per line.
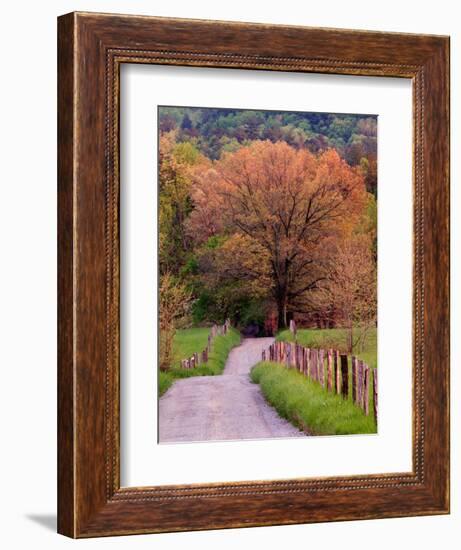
<point x="259" y="210"/>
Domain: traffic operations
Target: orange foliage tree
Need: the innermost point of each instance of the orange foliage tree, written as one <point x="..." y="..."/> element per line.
<point x="286" y="204"/>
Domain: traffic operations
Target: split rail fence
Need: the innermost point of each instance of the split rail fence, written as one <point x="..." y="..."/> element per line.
<point x="330" y="368"/>
<point x="202" y="358"/>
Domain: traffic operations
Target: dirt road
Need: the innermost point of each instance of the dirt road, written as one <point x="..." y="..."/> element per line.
<point x="229" y="406"/>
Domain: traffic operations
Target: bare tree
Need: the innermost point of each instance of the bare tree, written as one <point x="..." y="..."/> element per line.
<point x="174" y="301"/>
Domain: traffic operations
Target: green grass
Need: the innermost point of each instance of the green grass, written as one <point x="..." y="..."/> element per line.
<point x="187" y="342"/>
<point x="192" y="340"/>
<point x="334" y="338"/>
<point x="309" y="406"/>
<point x="164" y="382"/>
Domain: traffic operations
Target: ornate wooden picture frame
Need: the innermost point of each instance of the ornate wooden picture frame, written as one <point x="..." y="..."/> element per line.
<point x="92" y="48"/>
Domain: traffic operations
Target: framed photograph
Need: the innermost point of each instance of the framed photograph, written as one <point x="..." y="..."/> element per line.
<point x="253" y="223"/>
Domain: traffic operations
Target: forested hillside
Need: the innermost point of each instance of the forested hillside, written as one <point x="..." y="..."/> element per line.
<point x="214" y="131"/>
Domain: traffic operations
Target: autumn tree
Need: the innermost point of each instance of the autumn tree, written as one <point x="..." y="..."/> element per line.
<point x="175" y="163"/>
<point x="206" y="220"/>
<point x="286" y="202"/>
<point x="350" y="288"/>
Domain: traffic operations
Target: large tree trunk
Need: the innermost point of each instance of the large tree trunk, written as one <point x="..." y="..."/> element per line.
<point x="281" y="318"/>
<point x="282" y="310"/>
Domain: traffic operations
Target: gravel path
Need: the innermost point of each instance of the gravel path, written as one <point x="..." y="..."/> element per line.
<point x="229" y="406"/>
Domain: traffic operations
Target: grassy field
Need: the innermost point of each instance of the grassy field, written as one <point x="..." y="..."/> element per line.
<point x="334" y="338"/>
<point x="189" y="341"/>
<point x="309" y="406"/>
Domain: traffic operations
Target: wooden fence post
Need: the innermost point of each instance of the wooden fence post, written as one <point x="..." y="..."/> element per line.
<point x="344" y="377"/>
<point x="330" y="370"/>
<point x="337" y="372"/>
<point x="354" y="379"/>
<point x="366" y="388"/>
<point x="360" y="383"/>
<point x="321" y="367"/>
<point x="375" y="394"/>
<point x="288" y="354"/>
<point x="314" y="360"/>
